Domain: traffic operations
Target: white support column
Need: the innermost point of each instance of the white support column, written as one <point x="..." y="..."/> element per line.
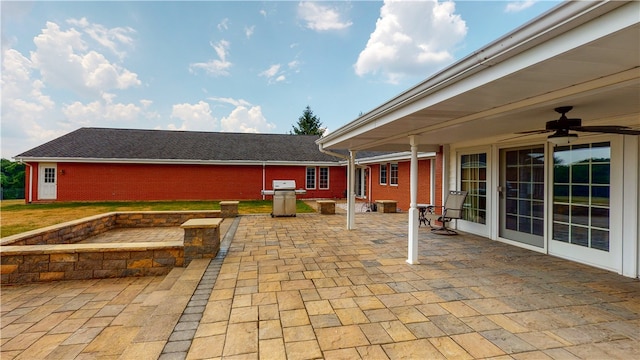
<point x="414" y="222"/>
<point x="351" y="191"/>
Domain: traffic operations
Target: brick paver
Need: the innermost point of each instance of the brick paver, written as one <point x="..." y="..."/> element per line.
<point x="305" y="287"/>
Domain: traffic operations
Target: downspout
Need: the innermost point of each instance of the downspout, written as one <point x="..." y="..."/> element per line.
<point x="264" y="174"/>
<point x="30" y="179"/>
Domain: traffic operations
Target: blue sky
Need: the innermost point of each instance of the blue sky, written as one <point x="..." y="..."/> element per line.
<point x="235" y="66"/>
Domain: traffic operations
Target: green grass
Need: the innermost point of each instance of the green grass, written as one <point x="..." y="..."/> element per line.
<point x="17" y="217"/>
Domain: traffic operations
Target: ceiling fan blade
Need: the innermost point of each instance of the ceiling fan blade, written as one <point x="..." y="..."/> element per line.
<point x="611" y="129"/>
<point x="531" y="132"/>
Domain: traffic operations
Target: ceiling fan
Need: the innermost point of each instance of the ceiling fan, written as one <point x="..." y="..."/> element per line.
<point x="562" y="126"/>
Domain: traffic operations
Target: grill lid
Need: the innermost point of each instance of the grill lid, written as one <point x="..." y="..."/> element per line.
<point x="284" y="184"/>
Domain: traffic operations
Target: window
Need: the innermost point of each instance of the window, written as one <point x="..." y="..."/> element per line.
<point x="311" y="178"/>
<point x="393" y="176"/>
<point x="49" y="175"/>
<point x="383" y="174"/>
<point x="324" y="178"/>
<point x="473" y="180"/>
<point x="581" y="187"/>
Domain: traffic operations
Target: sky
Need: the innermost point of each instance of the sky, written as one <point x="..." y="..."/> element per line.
<point x="226" y="66"/>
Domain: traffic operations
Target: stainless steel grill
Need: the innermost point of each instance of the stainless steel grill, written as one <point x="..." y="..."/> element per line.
<point x="284" y="197"/>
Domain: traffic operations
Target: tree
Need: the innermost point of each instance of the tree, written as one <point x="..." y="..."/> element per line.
<point x="11" y="179"/>
<point x="308" y="124"/>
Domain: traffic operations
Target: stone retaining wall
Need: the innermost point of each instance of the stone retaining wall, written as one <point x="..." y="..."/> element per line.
<point x="52" y="253"/>
<point x="77" y="230"/>
<point x="33" y="263"/>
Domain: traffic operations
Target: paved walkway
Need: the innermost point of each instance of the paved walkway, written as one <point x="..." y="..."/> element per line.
<point x="305" y="288"/>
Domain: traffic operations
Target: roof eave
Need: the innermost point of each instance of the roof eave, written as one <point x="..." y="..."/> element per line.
<point x="25" y="159"/>
<point x="562" y="18"/>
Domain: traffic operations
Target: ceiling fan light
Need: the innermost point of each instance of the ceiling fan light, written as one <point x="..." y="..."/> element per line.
<point x="562" y="138"/>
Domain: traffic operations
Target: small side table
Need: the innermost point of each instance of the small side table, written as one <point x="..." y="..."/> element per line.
<point x="423" y="210"/>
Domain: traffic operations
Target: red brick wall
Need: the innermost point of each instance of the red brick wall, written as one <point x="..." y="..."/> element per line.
<point x="402" y="193"/>
<point x="104" y="182"/>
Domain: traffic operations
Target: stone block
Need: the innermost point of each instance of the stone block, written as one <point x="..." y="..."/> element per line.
<point x="63" y="257"/>
<point x="88" y="265"/>
<point x="116" y="255"/>
<point x="114" y="264"/>
<point x="50" y="276"/>
<point x="61" y="266"/>
<point x="8" y="269"/>
<point x="11" y="259"/>
<point x="229" y="209"/>
<point x="78" y="275"/>
<point x="326" y="207"/>
<point x="387" y="206"/>
<point x="110" y="273"/>
<point x="18" y="278"/>
<point x="140" y="263"/>
<point x="90" y="256"/>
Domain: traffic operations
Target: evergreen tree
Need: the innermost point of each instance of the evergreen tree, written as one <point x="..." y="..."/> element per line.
<point x="308" y="124"/>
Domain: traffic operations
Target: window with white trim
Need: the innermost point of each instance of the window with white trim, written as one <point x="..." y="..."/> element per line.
<point x="383" y="174"/>
<point x="393" y="174"/>
<point x="323" y="181"/>
<point x="311" y="178"/>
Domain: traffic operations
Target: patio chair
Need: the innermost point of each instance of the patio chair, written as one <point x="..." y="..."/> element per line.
<point x="451" y="210"/>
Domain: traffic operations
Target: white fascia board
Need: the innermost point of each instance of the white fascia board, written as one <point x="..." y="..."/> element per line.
<point x="403" y="156"/>
<point x="174" y="161"/>
<point x="564" y="18"/>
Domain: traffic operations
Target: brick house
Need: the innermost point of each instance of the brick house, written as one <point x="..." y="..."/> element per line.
<point x="386" y="176"/>
<point x="102" y="164"/>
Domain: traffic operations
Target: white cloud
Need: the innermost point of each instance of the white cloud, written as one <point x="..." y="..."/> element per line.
<point x="248" y="31"/>
<point x="516" y="6"/>
<point x="230" y="101"/>
<point x="215" y="67"/>
<point x="411" y="38"/>
<point x="111" y="39"/>
<point x="224" y="24"/>
<point x="271" y="71"/>
<point x="195" y="117"/>
<point x="247" y="120"/>
<point x="320" y="17"/>
<point x="273" y="74"/>
<point x="63" y="59"/>
<point x="101" y="111"/>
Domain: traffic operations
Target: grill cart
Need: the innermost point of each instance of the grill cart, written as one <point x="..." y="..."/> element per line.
<point x="284" y="197"/>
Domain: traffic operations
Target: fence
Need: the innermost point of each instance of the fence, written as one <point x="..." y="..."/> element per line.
<point x="8" y="194"/>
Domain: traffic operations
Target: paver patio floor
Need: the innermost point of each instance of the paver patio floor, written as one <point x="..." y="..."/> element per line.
<point x="306" y="288"/>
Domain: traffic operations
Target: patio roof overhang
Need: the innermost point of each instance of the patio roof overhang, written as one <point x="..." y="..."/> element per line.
<point x="583" y="54"/>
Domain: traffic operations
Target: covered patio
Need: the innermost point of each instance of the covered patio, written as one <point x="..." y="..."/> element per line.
<point x="307" y="288"/>
<point x="540" y="190"/>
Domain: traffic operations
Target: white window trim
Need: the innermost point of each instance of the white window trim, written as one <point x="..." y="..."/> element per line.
<point x="386" y="174"/>
<point x="328" y="178"/>
<point x="397" y="174"/>
<point x="306" y="177"/>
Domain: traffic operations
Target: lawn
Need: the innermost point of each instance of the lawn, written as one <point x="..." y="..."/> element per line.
<point x="17" y="217"/>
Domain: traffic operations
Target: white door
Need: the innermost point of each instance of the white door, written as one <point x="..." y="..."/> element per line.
<point x="586" y="215"/>
<point x="522" y="195"/>
<point x="47" y="182"/>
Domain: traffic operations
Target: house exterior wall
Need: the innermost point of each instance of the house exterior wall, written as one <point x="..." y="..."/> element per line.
<point x="401" y="192"/>
<point x="122" y="182"/>
<point x="623" y="206"/>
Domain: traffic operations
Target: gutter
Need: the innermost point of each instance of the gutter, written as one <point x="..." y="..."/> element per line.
<point x="329" y="152"/>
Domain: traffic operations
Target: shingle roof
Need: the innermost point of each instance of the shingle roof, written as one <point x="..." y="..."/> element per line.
<point x="128" y="144"/>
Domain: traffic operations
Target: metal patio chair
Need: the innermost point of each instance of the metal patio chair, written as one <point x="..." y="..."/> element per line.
<point x="451" y="210"/>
